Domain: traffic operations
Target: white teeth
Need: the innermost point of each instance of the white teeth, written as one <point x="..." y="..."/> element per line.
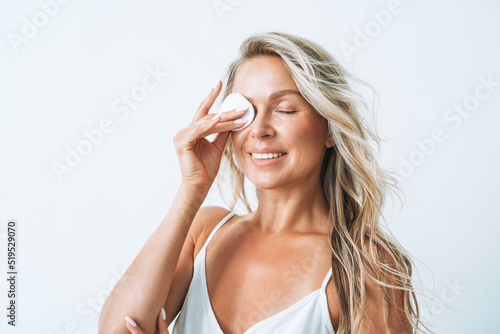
<point x="266" y="155"/>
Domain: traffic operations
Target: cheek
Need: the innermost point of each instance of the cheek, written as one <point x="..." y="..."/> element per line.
<point x="307" y="132"/>
<point x="309" y="137"/>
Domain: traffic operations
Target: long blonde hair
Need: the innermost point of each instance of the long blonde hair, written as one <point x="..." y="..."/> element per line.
<point x="353" y="183"/>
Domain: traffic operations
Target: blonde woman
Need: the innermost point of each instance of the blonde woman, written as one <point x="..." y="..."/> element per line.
<point x="311" y="258"/>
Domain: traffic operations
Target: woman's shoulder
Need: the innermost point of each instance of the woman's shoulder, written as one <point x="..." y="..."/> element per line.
<point x="209" y="217"/>
<point x="204" y="222"/>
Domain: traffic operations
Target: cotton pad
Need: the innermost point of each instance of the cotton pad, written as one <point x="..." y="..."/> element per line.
<point x="238" y="102"/>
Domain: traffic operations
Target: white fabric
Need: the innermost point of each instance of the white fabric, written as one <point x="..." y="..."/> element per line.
<point x="309" y="315"/>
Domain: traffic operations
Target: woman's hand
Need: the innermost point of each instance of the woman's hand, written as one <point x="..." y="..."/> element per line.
<point x="199" y="158"/>
<point x="162" y="324"/>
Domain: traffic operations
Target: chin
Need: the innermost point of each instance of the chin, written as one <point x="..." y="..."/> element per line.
<point x="269" y="182"/>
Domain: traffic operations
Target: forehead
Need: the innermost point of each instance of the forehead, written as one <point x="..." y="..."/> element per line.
<point x="262" y="75"/>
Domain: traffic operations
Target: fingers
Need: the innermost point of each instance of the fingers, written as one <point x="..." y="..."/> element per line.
<point x="162" y="322"/>
<point x="208" y="102"/>
<point x="133" y="327"/>
<point x="224" y="129"/>
<point x="220" y="140"/>
<point x="211" y="124"/>
<point x="225" y="117"/>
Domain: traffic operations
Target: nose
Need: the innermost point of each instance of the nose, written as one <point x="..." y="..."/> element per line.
<point x="262" y="125"/>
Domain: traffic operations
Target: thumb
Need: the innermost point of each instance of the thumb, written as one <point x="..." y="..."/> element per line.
<point x="221" y="140"/>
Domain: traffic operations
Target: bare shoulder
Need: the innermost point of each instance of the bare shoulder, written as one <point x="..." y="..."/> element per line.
<point x="375" y="310"/>
<point x="204" y="222"/>
<point x="375" y="305"/>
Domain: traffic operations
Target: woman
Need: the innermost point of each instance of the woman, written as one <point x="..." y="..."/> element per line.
<point x="311" y="258"/>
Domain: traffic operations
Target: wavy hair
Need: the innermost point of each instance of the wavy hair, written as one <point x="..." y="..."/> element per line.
<point x="353" y="183"/>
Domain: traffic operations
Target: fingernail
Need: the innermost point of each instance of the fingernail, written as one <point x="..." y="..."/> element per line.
<point x="130" y="321"/>
<point x="216" y="118"/>
<point x="218" y="83"/>
<point x="219" y="114"/>
<point x="240" y="121"/>
<point x="163" y="314"/>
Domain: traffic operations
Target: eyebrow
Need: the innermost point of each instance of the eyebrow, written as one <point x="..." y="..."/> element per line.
<point x="278" y="94"/>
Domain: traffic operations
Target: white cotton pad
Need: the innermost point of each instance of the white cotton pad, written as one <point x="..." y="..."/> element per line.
<point x="238" y="102"/>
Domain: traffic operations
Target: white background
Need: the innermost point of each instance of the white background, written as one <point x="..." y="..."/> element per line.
<point x="77" y="234"/>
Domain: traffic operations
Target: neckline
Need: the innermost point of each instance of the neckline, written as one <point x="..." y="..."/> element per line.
<point x="261" y="323"/>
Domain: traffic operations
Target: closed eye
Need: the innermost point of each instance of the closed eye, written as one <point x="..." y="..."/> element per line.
<point x="287" y="111"/>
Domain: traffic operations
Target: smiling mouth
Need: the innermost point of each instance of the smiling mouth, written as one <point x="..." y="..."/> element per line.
<point x="266" y="156"/>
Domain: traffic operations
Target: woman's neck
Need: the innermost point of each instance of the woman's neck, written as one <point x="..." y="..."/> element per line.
<point x="302" y="208"/>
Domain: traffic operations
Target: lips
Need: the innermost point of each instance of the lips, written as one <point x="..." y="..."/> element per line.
<point x="265" y="150"/>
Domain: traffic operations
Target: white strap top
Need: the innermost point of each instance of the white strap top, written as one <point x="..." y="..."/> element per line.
<point x="308" y="315"/>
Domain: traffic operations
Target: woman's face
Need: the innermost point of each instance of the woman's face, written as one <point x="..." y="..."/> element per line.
<point x="284" y="122"/>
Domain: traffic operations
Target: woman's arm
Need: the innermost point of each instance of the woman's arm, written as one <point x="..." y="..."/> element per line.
<point x="144" y="287"/>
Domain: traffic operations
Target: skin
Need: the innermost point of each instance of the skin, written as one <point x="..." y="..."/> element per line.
<point x="290" y="192"/>
<point x="261" y="263"/>
<point x="289" y="227"/>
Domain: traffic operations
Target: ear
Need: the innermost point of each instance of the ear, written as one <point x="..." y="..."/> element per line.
<point x="329" y="142"/>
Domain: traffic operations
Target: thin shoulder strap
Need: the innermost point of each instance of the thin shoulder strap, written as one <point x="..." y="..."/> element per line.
<point x="324" y="303"/>
<point x="216" y="228"/>
<point x="327" y="278"/>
